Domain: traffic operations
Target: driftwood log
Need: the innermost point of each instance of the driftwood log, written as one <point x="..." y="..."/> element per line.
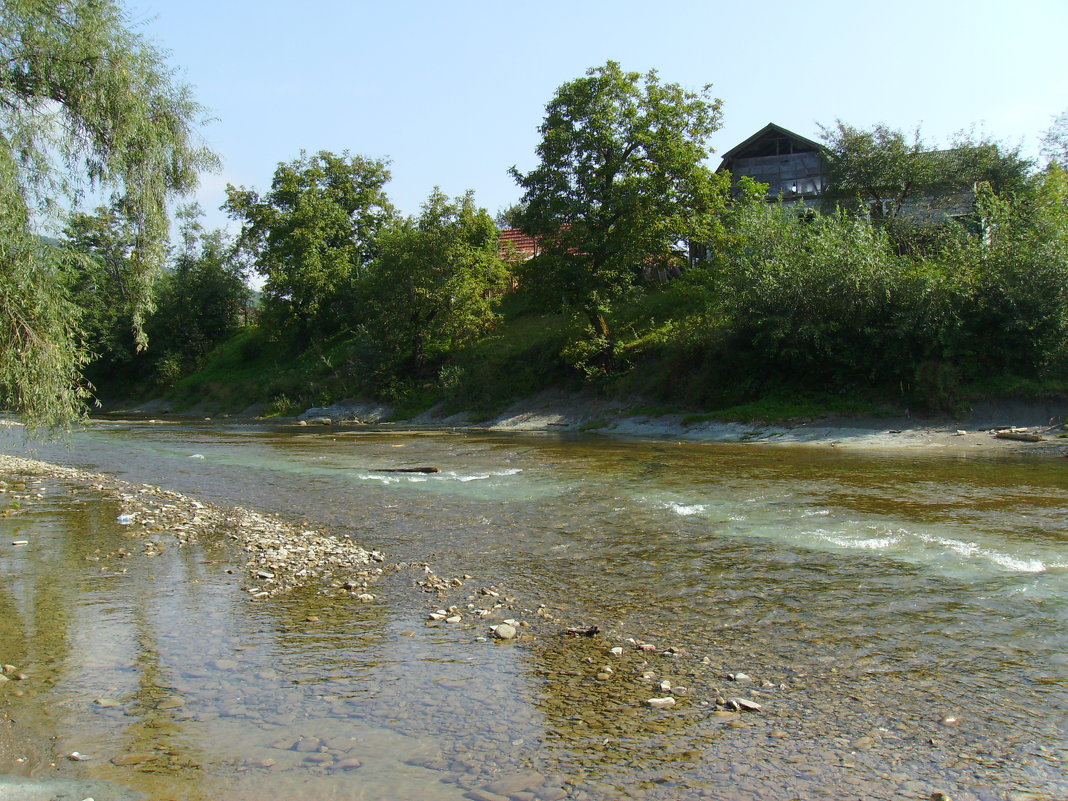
<point x="407" y="470"/>
<point x="1019" y="436"/>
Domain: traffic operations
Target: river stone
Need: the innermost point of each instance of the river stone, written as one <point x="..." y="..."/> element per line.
<point x="527" y="780"/>
<point x="320" y="759"/>
<point x="551" y="794"/>
<point x="137" y="758"/>
<point x="661" y="703"/>
<point x="744" y="704"/>
<point x="349" y="763"/>
<point x="343" y="744"/>
<point x="504" y="631"/>
<point x="484" y="795"/>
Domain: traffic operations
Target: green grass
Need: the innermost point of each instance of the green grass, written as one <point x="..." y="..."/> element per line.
<point x="1008" y="386"/>
<point x="247" y="369"/>
<point x="652" y="411"/>
<point x="593" y="425"/>
<point x="778" y="410"/>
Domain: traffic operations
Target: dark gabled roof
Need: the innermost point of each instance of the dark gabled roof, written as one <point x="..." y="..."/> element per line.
<point x="770" y="128"/>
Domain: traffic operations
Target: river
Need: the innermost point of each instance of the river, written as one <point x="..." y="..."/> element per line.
<point x="900" y="620"/>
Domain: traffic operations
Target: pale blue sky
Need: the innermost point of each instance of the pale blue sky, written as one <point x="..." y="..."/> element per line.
<point x="453" y="93"/>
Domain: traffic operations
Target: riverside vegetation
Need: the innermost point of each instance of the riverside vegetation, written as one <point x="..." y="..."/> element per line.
<point x="790" y="315"/>
<point x="856" y="305"/>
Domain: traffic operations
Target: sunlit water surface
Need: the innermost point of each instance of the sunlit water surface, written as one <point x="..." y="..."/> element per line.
<point x="903" y="620"/>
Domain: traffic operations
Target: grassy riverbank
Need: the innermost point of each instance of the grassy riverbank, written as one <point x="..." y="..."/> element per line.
<point x="672" y="361"/>
<point x="789" y="316"/>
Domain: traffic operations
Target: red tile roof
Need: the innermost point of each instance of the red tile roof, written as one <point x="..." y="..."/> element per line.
<point x="515" y="245"/>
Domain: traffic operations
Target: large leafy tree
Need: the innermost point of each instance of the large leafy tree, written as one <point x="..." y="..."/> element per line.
<point x="894" y="175"/>
<point x="98" y="247"/>
<point x="312" y="235"/>
<point x="84" y="103"/>
<point x="202" y="299"/>
<point x="621" y="181"/>
<point x="438" y="279"/>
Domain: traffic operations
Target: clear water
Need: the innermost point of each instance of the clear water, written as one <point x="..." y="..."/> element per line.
<point x="878" y="596"/>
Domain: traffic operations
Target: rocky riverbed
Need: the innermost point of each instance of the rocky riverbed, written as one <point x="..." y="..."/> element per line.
<point x="610" y="670"/>
<point x="279" y="555"/>
<point x="554" y="620"/>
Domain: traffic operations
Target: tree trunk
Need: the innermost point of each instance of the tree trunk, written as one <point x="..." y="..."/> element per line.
<point x="607" y="357"/>
<point x="418" y="354"/>
<point x="303" y="333"/>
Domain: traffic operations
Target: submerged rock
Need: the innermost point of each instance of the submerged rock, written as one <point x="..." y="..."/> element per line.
<point x="135" y="758"/>
<point x="347" y="764"/>
<point x="744" y="705"/>
<point x="527" y="780"/>
<point x="661" y="703"/>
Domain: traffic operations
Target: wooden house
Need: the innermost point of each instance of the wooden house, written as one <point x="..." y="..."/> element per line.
<point x="791" y="165"/>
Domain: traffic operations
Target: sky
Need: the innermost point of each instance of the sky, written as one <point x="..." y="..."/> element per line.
<point x="453" y="93"/>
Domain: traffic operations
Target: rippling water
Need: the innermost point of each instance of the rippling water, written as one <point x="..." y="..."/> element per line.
<point x="903" y="620"/>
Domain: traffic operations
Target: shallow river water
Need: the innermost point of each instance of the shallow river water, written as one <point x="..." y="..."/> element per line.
<point x="902" y="620"/>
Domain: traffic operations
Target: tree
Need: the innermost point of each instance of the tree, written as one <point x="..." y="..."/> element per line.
<point x="509" y="216"/>
<point x="84" y="103"/>
<point x="202" y="300"/>
<point x="98" y="249"/>
<point x="438" y="278"/>
<point x="621" y="180"/>
<point x="312" y="234"/>
<point x="887" y="172"/>
<point x="1055" y="140"/>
